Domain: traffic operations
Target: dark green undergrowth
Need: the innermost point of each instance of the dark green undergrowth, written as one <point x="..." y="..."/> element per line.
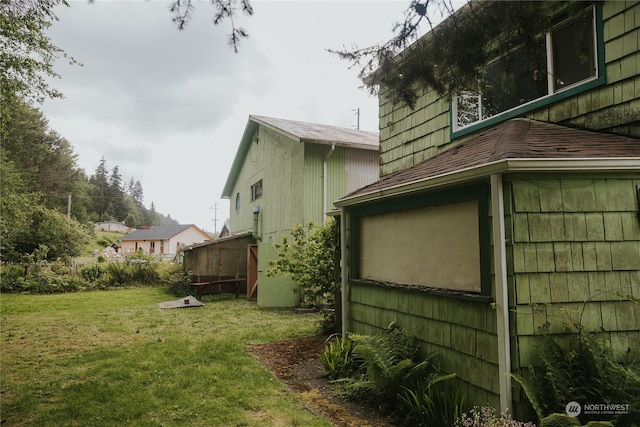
<point x="41" y="276"/>
<point x="385" y="372"/>
<point x="587" y="371"/>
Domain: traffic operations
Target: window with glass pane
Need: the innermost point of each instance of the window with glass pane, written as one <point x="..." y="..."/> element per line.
<point x="548" y="64"/>
<point x="573" y="53"/>
<point x="256" y="190"/>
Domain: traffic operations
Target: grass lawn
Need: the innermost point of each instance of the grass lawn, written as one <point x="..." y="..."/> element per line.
<point x="113" y="358"/>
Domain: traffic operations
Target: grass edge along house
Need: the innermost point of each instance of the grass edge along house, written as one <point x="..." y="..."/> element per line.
<point x="487" y="225"/>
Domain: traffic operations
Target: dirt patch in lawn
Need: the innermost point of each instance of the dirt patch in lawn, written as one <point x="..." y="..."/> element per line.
<point x="295" y="362"/>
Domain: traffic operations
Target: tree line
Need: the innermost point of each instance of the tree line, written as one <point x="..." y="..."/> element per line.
<point x="46" y="199"/>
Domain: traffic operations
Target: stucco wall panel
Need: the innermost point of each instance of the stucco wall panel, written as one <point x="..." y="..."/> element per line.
<point x="414" y="238"/>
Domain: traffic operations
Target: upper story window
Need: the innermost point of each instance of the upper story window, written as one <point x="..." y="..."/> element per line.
<point x="256" y="190"/>
<point x="237" y="202"/>
<point x="563" y="58"/>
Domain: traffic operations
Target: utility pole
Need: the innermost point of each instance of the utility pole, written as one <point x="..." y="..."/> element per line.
<point x="215" y="217"/>
<point x="69" y="207"/>
<point x="357" y="112"/>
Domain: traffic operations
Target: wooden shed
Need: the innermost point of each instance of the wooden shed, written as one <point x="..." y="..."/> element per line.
<point x="219" y="266"/>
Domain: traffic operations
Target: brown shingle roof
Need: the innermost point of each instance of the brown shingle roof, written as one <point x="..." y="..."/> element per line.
<point x="514" y="139"/>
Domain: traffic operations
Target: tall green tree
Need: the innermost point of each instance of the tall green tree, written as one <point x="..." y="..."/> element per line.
<point x="116" y="194"/>
<point x="134" y="189"/>
<point x="45" y="161"/>
<point x="27" y="56"/>
<point x="100" y="182"/>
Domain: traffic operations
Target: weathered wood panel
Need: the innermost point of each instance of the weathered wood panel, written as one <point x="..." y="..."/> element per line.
<point x="576" y="257"/>
<point x="220" y="259"/>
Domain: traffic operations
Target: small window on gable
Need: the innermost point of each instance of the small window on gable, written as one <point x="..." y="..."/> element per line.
<point x="237" y="202"/>
<point x="256" y="190"/>
<point x="564" y="57"/>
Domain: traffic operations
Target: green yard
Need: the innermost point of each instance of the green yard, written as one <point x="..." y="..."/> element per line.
<point x="113" y="358"/>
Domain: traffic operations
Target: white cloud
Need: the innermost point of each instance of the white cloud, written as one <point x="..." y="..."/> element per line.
<point x="169" y="107"/>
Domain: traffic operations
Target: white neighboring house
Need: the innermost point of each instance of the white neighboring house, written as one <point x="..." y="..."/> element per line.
<point x="163" y="240"/>
<point x="111" y="226"/>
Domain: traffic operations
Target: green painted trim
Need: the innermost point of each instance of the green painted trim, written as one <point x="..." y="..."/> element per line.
<point x="547" y="100"/>
<point x="484" y="234"/>
<point x="479" y="192"/>
<point x="427" y="290"/>
<point x="238" y="161"/>
<point x="422" y="200"/>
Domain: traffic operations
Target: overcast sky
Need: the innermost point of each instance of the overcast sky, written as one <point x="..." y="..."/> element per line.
<point x="169" y="107"/>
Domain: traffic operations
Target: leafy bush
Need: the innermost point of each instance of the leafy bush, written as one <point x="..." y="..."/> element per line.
<point x="559" y="420"/>
<point x="588" y="373"/>
<point x="92" y="273"/>
<point x="386" y="373"/>
<point x="136" y="269"/>
<point x="176" y="280"/>
<point x="38" y="275"/>
<point x="309" y="259"/>
<point x="11" y="277"/>
<point x="487" y="416"/>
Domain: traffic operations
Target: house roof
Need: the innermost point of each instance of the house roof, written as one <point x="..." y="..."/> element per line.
<point x="321" y="134"/>
<point x="220" y="240"/>
<point x="515" y="145"/>
<point x="311" y="133"/>
<point x="156" y="232"/>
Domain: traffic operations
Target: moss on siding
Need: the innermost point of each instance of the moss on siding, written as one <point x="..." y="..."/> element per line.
<point x="408" y="136"/>
<point x="576" y="257"/>
<point x="463" y="333"/>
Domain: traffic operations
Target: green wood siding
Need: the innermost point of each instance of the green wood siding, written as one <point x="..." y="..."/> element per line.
<point x="462" y="332"/>
<point x="572" y="240"/>
<point x="408" y="136"/>
<point x="278" y="162"/>
<point x="575" y="250"/>
<point x="293" y="193"/>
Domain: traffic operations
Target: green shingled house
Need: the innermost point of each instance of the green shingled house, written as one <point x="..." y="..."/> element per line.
<point x="500" y="221"/>
<point x="286" y="173"/>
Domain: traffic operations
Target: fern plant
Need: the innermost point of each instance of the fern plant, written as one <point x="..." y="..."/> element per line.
<point x="389" y="367"/>
<point x="587" y="373"/>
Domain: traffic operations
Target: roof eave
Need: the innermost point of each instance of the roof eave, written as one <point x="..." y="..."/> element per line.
<point x="357" y="145"/>
<point x="462" y="176"/>
<point x="275" y="129"/>
<point x="238" y="160"/>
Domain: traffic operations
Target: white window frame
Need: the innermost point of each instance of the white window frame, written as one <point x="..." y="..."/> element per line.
<point x="551" y="91"/>
<point x="256" y="191"/>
